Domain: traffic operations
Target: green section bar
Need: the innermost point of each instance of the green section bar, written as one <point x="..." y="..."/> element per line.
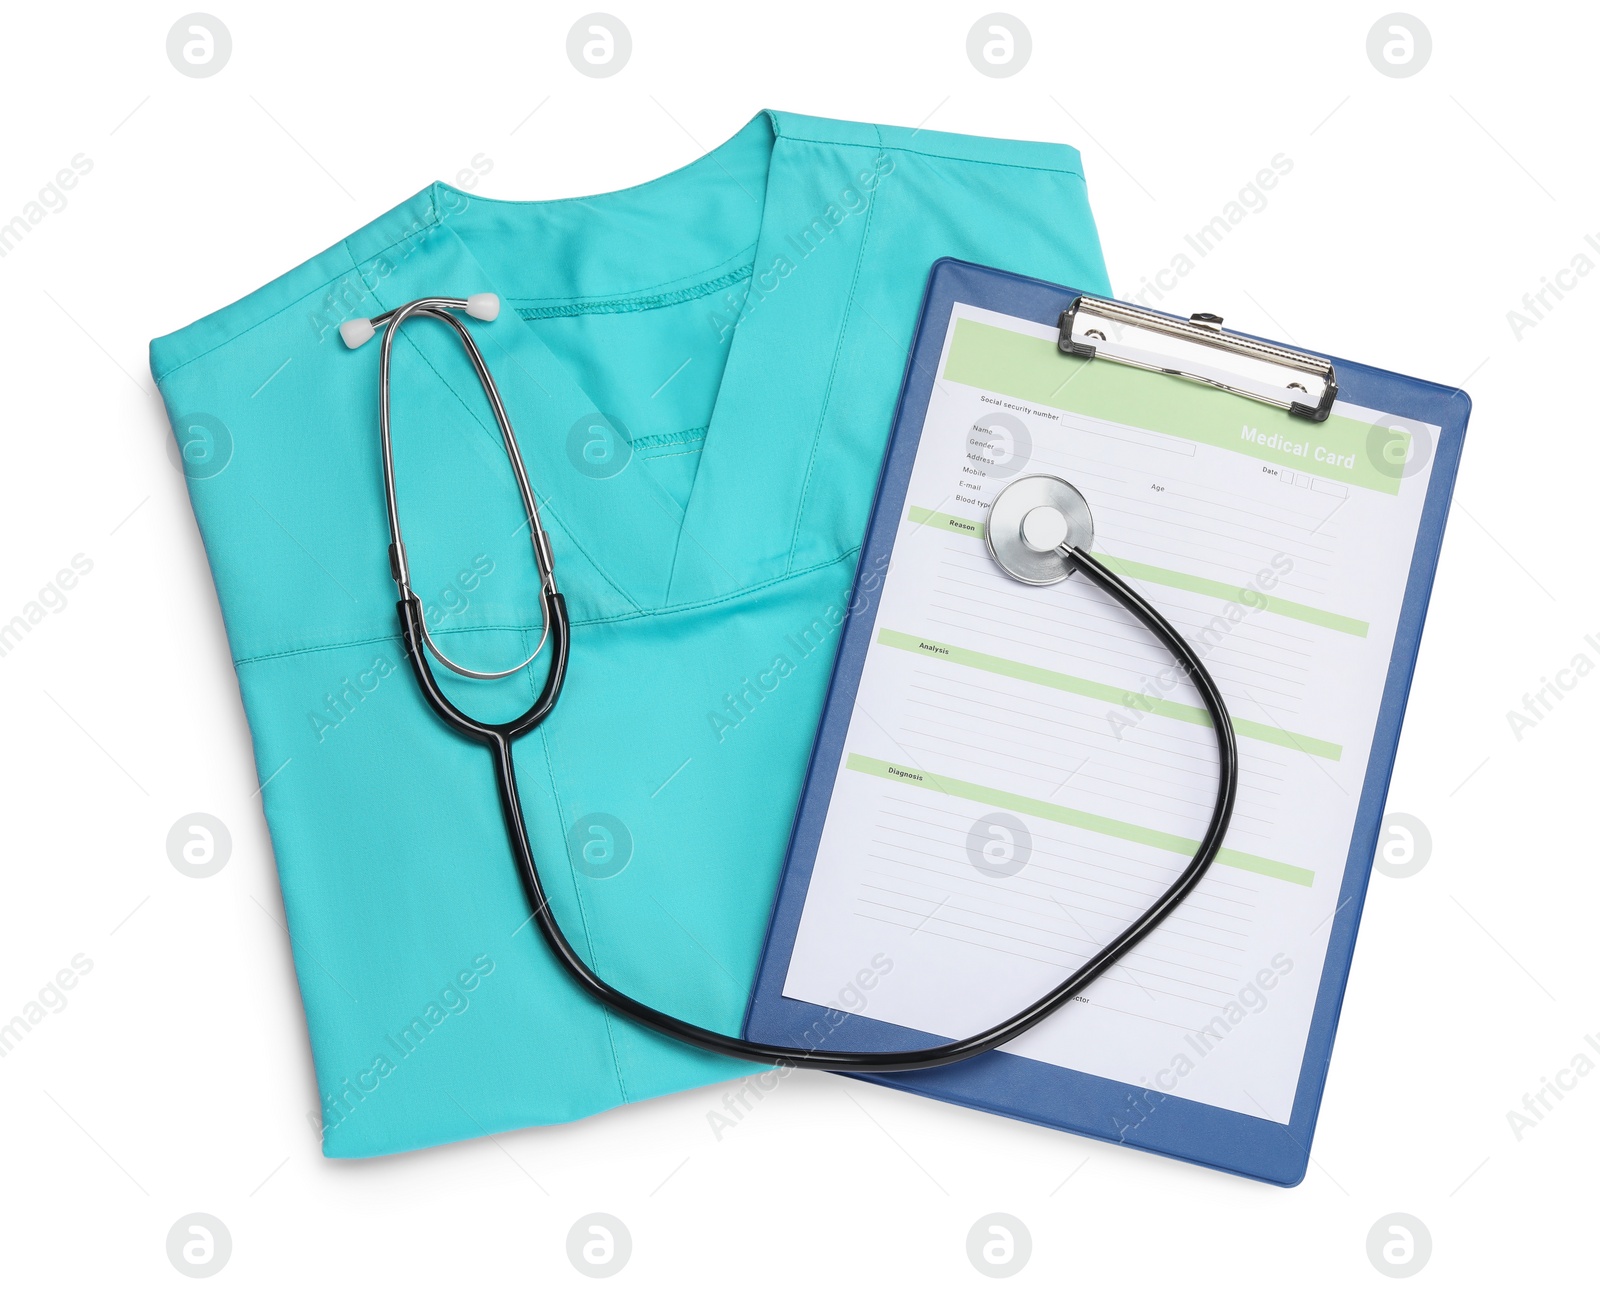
<point x="1244" y="596"/>
<point x="1175" y="579"/>
<point x="1033" y="368"/>
<point x="1100" y="691"/>
<point x="943" y="520"/>
<point x="1071" y="816"/>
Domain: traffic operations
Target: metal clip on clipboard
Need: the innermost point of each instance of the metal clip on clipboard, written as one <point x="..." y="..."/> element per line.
<point x="1199" y="350"/>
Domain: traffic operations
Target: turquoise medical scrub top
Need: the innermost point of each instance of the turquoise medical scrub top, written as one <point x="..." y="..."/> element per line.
<point x="702" y="372"/>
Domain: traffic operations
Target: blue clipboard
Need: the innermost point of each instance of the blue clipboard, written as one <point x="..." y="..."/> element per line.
<point x="1025" y="1088"/>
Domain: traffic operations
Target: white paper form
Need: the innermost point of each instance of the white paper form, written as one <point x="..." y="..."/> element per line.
<point x="1025" y="770"/>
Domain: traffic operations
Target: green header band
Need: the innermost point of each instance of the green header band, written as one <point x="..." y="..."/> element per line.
<point x="920" y="779"/>
<point x="1132" y="703"/>
<point x="1034" y="369"/>
<point x="1250" y="597"/>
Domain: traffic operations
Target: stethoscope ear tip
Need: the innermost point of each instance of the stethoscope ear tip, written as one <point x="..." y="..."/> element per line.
<point x="480" y="305"/>
<point x="356" y="332"/>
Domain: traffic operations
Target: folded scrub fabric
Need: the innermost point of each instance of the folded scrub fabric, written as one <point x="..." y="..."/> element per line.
<point x="702" y="371"/>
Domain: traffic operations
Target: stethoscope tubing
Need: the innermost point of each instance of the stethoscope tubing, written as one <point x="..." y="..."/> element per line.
<point x="500" y="741"/>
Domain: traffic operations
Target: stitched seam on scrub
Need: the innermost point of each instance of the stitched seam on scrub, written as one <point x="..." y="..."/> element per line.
<point x="577" y="893"/>
<point x="827" y="394"/>
<point x="434" y="222"/>
<point x="673" y="444"/>
<point x="661" y="613"/>
<point x="917" y="152"/>
<point x="666" y="284"/>
<point x="437" y="220"/>
<point x="635" y="304"/>
<point x="667" y="439"/>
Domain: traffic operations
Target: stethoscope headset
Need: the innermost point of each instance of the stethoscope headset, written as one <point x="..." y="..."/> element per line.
<point x="1039" y="531"/>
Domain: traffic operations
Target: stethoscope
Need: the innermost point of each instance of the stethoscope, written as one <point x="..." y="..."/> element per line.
<point x="1039" y="532"/>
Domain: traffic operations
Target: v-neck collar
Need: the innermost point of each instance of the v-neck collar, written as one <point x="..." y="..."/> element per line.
<point x="623" y="527"/>
<point x="677" y="233"/>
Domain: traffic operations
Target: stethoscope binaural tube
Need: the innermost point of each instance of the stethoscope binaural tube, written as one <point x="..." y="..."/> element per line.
<point x="485" y="306"/>
<point x="500" y="740"/>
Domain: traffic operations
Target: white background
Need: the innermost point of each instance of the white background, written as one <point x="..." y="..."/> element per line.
<point x="177" y="1078"/>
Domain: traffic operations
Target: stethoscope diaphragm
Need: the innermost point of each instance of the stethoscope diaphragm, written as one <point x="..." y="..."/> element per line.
<point x="1031" y="523"/>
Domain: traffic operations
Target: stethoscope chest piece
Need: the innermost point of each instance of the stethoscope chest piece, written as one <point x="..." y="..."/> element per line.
<point x="1030" y="521"/>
